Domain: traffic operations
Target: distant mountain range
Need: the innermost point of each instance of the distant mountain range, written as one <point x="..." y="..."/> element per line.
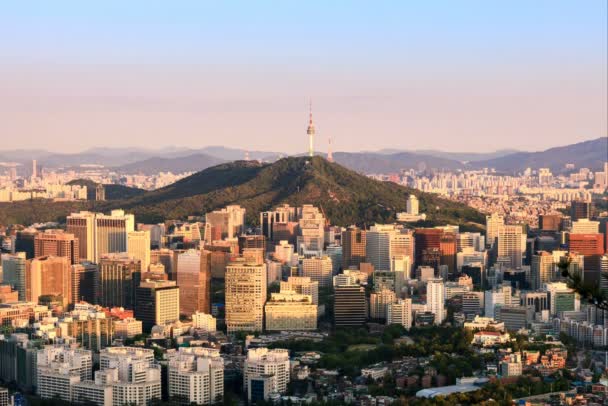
<point x="589" y="154"/>
<point x="345" y="196"/>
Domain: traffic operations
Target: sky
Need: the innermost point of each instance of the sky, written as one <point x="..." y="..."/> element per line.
<point x="455" y="76"/>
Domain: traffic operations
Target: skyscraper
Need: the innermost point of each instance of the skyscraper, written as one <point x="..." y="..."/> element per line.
<point x="580" y="209"/>
<point x="49" y="276"/>
<point x="82" y="226"/>
<point x="350" y="306"/>
<point x="119" y="275"/>
<point x="156" y="303"/>
<point x="85" y="282"/>
<point x="111" y="232"/>
<point x="194" y="281"/>
<point x="138" y="247"/>
<point x="353" y="247"/>
<point x="493" y="223"/>
<point x="13" y="273"/>
<point x="318" y="269"/>
<point x="57" y="243"/>
<point x="542" y="269"/>
<point x="245" y="296"/>
<point x="511" y="246"/>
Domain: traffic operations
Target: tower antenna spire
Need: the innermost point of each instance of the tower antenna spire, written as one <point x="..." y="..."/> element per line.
<point x="330" y="156"/>
<point x="311" y="132"/>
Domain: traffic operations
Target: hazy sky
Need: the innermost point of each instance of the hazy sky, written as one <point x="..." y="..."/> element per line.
<point x="452" y="75"/>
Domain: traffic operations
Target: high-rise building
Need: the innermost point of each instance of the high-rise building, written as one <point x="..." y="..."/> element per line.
<point x="378" y="302"/>
<point x="311" y="134"/>
<point x="245" y="296"/>
<point x="427" y="241"/>
<point x="318" y="269"/>
<point x="111" y="232"/>
<point x="580" y="209"/>
<point x="82" y="226"/>
<point x="252" y="242"/>
<point x="435" y="302"/>
<point x="592" y="247"/>
<point x="353" y="247"/>
<point x="119" y="276"/>
<point x="194" y="281"/>
<point x="57" y="243"/>
<point x="494" y="222"/>
<point x="138" y="247"/>
<point x="511" y="245"/>
<point x="228" y="222"/>
<point x="311" y="229"/>
<point x="549" y="222"/>
<point x="262" y="362"/>
<point x="85" y="282"/>
<point x="24" y="242"/>
<point x="542" y="270"/>
<point x="156" y="303"/>
<point x="468" y="240"/>
<point x="49" y="276"/>
<point x="400" y="312"/>
<point x="14" y="273"/>
<point x="350" y="306"/>
<point x="196" y="375"/>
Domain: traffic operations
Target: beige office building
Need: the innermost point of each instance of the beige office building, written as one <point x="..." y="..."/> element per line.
<point x="245" y="296"/>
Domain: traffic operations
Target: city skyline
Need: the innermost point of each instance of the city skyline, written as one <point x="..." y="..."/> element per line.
<point x="389" y="76"/>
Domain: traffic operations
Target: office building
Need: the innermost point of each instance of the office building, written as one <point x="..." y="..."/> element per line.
<point x="318" y="269"/>
<point x="245" y="296"/>
<point x="194" y="281"/>
<point x="138" y="247"/>
<point x="57" y="243"/>
<point x="82" y="226"/>
<point x="290" y="311"/>
<point x="311" y="226"/>
<point x="378" y="302"/>
<point x="14" y="273"/>
<point x="542" y="269"/>
<point x="226" y="223"/>
<point x="350" y="306"/>
<point x="196" y="375"/>
<point x="580" y="210"/>
<point x="119" y="276"/>
<point x="549" y="222"/>
<point x="111" y="233"/>
<point x="494" y="222"/>
<point x="302" y="285"/>
<point x="353" y="247"/>
<point x="49" y="276"/>
<point x="157" y="303"/>
<point x="85" y="282"/>
<point x="585" y="226"/>
<point x="591" y="246"/>
<point x="511" y="245"/>
<point x="127" y="328"/>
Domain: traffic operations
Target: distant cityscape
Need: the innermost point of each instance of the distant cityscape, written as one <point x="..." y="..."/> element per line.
<point x="99" y="308"/>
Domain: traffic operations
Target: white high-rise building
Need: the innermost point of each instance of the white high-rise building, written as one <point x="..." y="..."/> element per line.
<point x="378" y="303"/>
<point x="284" y="252"/>
<point x="312" y="229"/>
<point x="385" y="241"/>
<point x="435" y="302"/>
<point x="495" y="298"/>
<point x="493" y="223"/>
<point x="475" y="241"/>
<point x="59" y="368"/>
<point x="318" y="269"/>
<point x="245" y="296"/>
<point x="511" y="246"/>
<point x="262" y="361"/>
<point x="138" y="247"/>
<point x="196" y="375"/>
<point x="400" y="312"/>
